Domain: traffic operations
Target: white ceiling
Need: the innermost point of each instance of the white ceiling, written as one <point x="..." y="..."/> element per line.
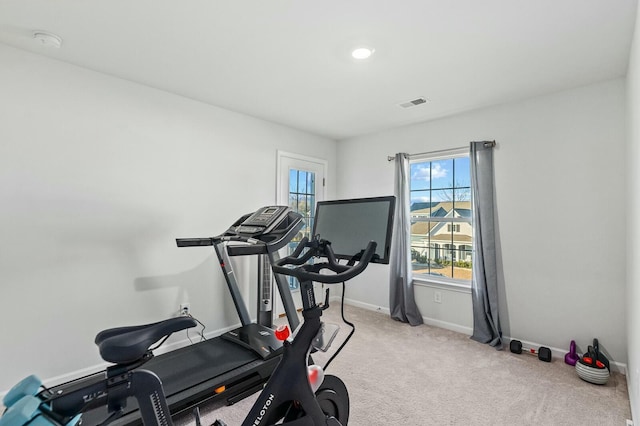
<point x="289" y="61"/>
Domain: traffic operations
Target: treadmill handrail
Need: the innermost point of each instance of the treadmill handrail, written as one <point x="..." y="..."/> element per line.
<point x="209" y="241"/>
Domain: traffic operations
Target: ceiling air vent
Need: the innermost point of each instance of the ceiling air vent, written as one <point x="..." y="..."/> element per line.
<point x="414" y="102"/>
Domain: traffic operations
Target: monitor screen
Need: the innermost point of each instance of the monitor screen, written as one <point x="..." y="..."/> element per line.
<point x="350" y="224"/>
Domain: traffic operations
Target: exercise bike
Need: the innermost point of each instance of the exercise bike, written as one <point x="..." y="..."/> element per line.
<point x="288" y="396"/>
<point x="293" y="395"/>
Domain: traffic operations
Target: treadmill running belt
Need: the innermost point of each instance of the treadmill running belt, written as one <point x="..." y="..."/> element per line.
<point x="189" y="366"/>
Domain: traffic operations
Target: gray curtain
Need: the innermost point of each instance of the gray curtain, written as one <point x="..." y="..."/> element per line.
<point x="486" y="324"/>
<point x="401" y="299"/>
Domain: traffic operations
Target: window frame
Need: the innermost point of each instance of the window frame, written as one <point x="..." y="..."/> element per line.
<point x="287" y="161"/>
<point x="429" y="280"/>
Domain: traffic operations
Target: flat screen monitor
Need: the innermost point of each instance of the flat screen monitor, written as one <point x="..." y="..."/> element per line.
<point x="350" y="224"/>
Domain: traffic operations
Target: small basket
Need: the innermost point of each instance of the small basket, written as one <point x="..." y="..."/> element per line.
<point x="593" y="366"/>
<point x="597" y="376"/>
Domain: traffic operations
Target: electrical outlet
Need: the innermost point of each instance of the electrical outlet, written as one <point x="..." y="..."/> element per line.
<point x="437" y="296"/>
<point x="185" y="309"/>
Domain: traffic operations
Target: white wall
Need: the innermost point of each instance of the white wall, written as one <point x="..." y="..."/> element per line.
<point x="98" y="176"/>
<point x="633" y="223"/>
<point x="560" y="190"/>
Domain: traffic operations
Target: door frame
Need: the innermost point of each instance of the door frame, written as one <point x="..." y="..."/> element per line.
<point x="282" y="198"/>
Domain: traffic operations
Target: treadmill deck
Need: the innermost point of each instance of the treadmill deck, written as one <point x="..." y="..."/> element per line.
<point x="191" y="374"/>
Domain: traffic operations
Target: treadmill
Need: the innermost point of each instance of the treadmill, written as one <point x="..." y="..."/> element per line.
<point x="226" y="369"/>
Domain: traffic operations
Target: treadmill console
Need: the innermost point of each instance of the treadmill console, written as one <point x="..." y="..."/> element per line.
<point x="263" y="220"/>
<point x="266" y="230"/>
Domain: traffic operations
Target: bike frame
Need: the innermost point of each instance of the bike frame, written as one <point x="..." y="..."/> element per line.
<point x="290" y="381"/>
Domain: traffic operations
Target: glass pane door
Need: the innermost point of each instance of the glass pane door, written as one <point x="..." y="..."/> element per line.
<point x="302" y="199"/>
<point x="300" y="186"/>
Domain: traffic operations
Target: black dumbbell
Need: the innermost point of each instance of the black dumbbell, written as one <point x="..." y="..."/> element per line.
<point x="544" y="353"/>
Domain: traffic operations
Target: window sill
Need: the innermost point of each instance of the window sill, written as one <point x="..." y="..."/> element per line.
<point x="442" y="284"/>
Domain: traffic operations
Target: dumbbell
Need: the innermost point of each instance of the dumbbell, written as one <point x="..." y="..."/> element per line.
<point x="544" y="353"/>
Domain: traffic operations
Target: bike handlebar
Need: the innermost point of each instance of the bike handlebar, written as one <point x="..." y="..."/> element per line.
<point x="311" y="272"/>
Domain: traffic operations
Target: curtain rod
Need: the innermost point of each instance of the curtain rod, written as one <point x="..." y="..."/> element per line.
<point x="487" y="144"/>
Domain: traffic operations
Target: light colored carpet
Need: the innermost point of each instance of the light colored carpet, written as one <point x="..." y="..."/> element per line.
<point x="402" y="375"/>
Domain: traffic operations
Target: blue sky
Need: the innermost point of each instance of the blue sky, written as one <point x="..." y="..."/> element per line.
<point x="441" y="176"/>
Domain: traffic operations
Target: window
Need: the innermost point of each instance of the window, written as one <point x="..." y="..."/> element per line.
<point x="441" y="222"/>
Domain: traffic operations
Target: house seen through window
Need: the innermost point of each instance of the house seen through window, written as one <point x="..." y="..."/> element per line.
<point x="441" y="222"/>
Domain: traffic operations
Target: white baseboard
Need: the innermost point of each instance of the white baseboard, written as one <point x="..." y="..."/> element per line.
<point x="629" y="393"/>
<point x="366" y="306"/>
<point x="429" y="321"/>
<point x="559" y="353"/>
<point x="448" y="326"/>
<point x="620" y="367"/>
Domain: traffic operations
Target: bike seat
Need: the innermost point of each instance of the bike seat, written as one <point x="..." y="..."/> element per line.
<point x="124" y="345"/>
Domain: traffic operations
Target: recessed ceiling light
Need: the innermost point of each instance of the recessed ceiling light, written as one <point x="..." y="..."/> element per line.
<point x="362" y="52"/>
<point x="47" y="39"/>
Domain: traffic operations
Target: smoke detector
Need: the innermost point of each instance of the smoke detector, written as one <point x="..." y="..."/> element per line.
<point x="414" y="102"/>
<point x="47" y="39"/>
